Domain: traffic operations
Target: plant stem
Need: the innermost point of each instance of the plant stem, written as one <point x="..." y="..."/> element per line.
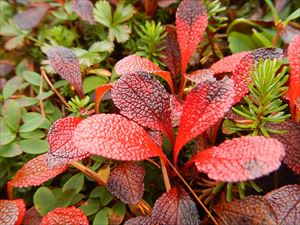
<point x="41" y="100"/>
<point x="182" y="85"/>
<point x="193" y="193"/>
<point x="165" y="175"/>
<point x="89" y="173"/>
<point x="54" y="89"/>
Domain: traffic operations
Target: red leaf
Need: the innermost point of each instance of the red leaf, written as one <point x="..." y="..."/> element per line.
<point x="175" y="207"/>
<point x="294" y="88"/>
<point x="240" y="159"/>
<point x="35" y="172"/>
<point x="126" y="181"/>
<point x="200" y="76"/>
<point x="59" y="139"/>
<point x="114" y="136"/>
<point x="134" y="63"/>
<point x="240" y="75"/>
<point x="63" y="216"/>
<point x="66" y="64"/>
<point x="32" y="17"/>
<point x="84" y="8"/>
<point x="228" y="64"/>
<point x="291" y="142"/>
<point x="251" y="210"/>
<point x="176" y="106"/>
<point x="286" y="204"/>
<point x="32" y="217"/>
<point x="171" y="50"/>
<point x="100" y="92"/>
<point x="141" y="220"/>
<point x="191" y="22"/>
<point x="204" y="106"/>
<point x="156" y="137"/>
<point x="141" y="98"/>
<point x="12" y="212"/>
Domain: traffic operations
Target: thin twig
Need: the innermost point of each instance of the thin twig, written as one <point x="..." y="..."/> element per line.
<point x="54" y="89"/>
<point x="41" y="99"/>
<point x="193" y="193"/>
<point x="165" y="175"/>
<point x="87" y="171"/>
<point x="154" y="163"/>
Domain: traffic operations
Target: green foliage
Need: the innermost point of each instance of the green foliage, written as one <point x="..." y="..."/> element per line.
<point x="264" y="104"/>
<point x="80" y="106"/>
<point x="118" y="29"/>
<point x="60" y="35"/>
<point x="151" y="36"/>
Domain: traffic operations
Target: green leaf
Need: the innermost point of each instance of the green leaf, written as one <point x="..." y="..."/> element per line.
<point x="100" y="218"/>
<point x="102" y="46"/>
<point x="44" y="200"/>
<point x="14" y="42"/>
<point x="6" y="136"/>
<point x="76" y="182"/>
<point x="12" y="115"/>
<point x="33" y="78"/>
<point x="65" y="198"/>
<point x="32" y="121"/>
<point x="293" y="16"/>
<point x="10" y="150"/>
<point x="265" y="41"/>
<point x="102" y="13"/>
<point x="122" y="13"/>
<point x="9" y="29"/>
<point x="90" y="207"/>
<point x="90" y="83"/>
<point x="25" y="101"/>
<point x="120" y="33"/>
<point x="34" y="146"/>
<point x="12" y="86"/>
<point x="35" y="134"/>
<point x="273" y="10"/>
<point x="239" y="42"/>
<point x="105" y="196"/>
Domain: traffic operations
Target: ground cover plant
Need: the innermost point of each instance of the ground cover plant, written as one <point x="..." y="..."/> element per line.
<point x="150" y="112"/>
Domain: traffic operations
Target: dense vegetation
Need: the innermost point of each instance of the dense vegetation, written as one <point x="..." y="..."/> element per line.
<point x="149" y="112"/>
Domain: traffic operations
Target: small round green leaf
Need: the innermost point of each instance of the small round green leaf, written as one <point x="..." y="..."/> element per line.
<point x="101" y="218"/>
<point x="44" y="200"/>
<point x="34" y="146"/>
<point x="76" y="182"/>
<point x="10" y="150"/>
<point x="11" y="115"/>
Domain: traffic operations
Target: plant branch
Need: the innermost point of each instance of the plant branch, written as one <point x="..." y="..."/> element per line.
<point x="193" y="193"/>
<point x="54" y="89"/>
<point x="89" y="173"/>
<point x="165" y="175"/>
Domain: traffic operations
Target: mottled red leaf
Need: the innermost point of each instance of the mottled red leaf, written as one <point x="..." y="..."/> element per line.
<point x="12" y="212"/>
<point x="100" y="92"/>
<point x="240" y="75"/>
<point x="204" y="106"/>
<point x="63" y="216"/>
<point x="35" y="172"/>
<point x="175" y="207"/>
<point x="113" y="136"/>
<point x="126" y="181"/>
<point x="200" y="76"/>
<point x="6" y="67"/>
<point x="171" y="50"/>
<point x="249" y="211"/>
<point x="291" y="142"/>
<point x="176" y="106"/>
<point x="32" y="217"/>
<point x="84" y="8"/>
<point x="240" y="159"/>
<point x="141" y="220"/>
<point x="156" y="137"/>
<point x="134" y="63"/>
<point x="141" y="98"/>
<point x="191" y="22"/>
<point x="32" y="17"/>
<point x="294" y="87"/>
<point x="286" y="204"/>
<point x="228" y="64"/>
<point x="59" y="139"/>
<point x="66" y="64"/>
